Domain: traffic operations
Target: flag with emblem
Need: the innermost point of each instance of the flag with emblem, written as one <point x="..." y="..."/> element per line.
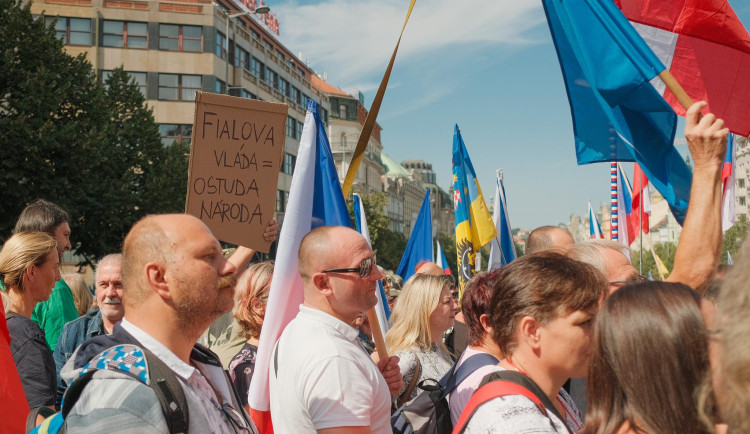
<point x="474" y="225"/>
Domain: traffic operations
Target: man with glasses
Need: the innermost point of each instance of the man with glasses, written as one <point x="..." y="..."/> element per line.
<point x="176" y="282"/>
<point x="321" y="377"/>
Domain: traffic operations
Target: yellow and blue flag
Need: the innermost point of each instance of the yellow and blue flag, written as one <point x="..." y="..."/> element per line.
<point x="474" y="225"/>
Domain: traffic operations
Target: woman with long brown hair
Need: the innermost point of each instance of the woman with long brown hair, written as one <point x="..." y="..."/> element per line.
<point x="649" y="358"/>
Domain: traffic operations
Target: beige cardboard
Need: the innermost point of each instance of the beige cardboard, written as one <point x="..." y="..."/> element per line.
<point x="235" y="159"/>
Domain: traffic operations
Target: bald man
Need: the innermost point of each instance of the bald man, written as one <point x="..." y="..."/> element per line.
<point x="549" y="238"/>
<point x="322" y="379"/>
<point x="427" y="267"/>
<point x="176" y="282"/>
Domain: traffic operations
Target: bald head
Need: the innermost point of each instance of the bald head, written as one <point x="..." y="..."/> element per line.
<point x="431" y="268"/>
<point x="154" y="238"/>
<point x="549" y="238"/>
<point x="322" y="247"/>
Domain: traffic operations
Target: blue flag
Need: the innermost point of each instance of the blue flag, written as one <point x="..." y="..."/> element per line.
<point x="360" y="221"/>
<point x="502" y="248"/>
<point x="329" y="205"/>
<point x="617" y="114"/>
<point x="419" y="247"/>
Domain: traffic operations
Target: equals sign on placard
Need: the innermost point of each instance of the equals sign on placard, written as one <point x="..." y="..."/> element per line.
<point x="267" y="163"/>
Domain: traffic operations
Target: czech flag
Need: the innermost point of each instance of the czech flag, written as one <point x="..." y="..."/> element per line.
<point x="442" y="261"/>
<point x="727" y="183"/>
<point x="315" y="199"/>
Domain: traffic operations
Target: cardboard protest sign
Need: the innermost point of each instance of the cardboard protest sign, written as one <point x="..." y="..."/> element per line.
<point x="235" y="158"/>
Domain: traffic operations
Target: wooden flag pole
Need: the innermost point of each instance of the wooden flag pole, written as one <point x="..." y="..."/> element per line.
<point x="676" y="89"/>
<point x="359" y="152"/>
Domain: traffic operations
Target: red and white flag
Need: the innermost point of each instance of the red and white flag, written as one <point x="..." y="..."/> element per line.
<point x="705" y="47"/>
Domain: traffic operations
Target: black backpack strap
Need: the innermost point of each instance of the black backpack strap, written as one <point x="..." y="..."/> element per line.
<point x="162" y="380"/>
<point x="169" y="392"/>
<point x="528" y="384"/>
<point x="456" y="376"/>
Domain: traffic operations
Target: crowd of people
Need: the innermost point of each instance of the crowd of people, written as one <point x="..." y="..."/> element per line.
<point x="171" y="341"/>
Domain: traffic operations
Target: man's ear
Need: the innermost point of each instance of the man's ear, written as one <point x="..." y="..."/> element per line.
<point x="529" y="331"/>
<point x="322" y="283"/>
<point x="157" y="279"/>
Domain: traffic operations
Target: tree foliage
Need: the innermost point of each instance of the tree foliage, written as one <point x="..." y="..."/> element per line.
<point x="65" y="137"/>
<point x="665" y="251"/>
<point x="734" y="237"/>
<point x="388" y="245"/>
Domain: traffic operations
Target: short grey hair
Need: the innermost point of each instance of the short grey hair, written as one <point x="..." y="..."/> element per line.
<point x="107" y="260"/>
<point x="592" y="252"/>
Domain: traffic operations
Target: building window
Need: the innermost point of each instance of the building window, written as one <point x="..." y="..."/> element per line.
<point x="124" y="34"/>
<point x="289" y="162"/>
<point x="281" y="199"/>
<point x="741" y="183"/>
<point x="270" y="77"/>
<point x="219" y="86"/>
<point x="72" y="31"/>
<point x="742" y="200"/>
<point x="295" y="95"/>
<point x="253" y="33"/>
<point x="246" y="94"/>
<point x="138" y="77"/>
<point x="283" y="86"/>
<point x="342" y="111"/>
<point x="241" y="57"/>
<point x="221" y="41"/>
<point x="174" y="37"/>
<point x="268" y="46"/>
<point x="171" y="133"/>
<point x="178" y="87"/>
<point x="256" y="67"/>
<point x="299" y="130"/>
<point x="291" y="123"/>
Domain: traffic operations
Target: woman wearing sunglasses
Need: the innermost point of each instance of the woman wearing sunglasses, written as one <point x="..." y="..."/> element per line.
<point x="424" y="311"/>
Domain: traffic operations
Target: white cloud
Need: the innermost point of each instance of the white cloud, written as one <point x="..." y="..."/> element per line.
<point x="354" y="39"/>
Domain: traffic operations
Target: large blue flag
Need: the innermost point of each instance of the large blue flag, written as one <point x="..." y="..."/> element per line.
<point x="617" y="113"/>
<point x="419" y="247"/>
<point x="502" y="247"/>
<point x="315" y="199"/>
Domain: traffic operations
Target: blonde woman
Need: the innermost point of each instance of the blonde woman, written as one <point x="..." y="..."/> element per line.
<point x="29" y="268"/>
<point x="250" y="299"/>
<point x="82" y="295"/>
<point x="424" y="311"/>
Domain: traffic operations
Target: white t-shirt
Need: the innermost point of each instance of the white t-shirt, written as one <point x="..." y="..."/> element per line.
<point x="325" y="378"/>
<point x="516" y="413"/>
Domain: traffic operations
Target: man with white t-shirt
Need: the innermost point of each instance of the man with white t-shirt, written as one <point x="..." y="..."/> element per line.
<point x="321" y="378"/>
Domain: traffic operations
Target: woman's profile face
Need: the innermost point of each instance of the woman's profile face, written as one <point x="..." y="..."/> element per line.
<point x="565" y="343"/>
<point x="444" y="315"/>
<point x="46" y="275"/>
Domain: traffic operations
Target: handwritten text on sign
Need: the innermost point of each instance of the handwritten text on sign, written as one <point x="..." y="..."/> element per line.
<point x="234" y="166"/>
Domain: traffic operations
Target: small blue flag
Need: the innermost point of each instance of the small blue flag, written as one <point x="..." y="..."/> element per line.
<point x="419" y="247"/>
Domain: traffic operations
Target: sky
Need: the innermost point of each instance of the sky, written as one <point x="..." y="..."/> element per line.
<point x="487" y="65"/>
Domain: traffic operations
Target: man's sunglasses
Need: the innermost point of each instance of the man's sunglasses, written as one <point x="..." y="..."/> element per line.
<point x="364" y="269"/>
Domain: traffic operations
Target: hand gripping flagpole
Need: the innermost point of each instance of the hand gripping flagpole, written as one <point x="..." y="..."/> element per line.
<point x="359" y="152"/>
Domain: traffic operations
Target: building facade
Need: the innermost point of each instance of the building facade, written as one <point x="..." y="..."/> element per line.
<point x="174" y="49"/>
<point x="441" y="202"/>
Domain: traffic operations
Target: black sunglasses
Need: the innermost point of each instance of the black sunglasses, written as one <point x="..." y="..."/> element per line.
<point x="364" y="269"/>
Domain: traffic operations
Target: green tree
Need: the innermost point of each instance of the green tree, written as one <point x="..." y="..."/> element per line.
<point x="388" y="245"/>
<point x="734" y="237"/>
<point x="665" y="251"/>
<point x="64" y="137"/>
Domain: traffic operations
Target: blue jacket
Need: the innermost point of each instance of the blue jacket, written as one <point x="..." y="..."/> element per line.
<point x="74" y="334"/>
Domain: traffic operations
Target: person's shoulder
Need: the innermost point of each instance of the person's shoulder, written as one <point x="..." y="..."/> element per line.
<point x="112" y="398"/>
<point x="23" y="329"/>
<point x="512" y="413"/>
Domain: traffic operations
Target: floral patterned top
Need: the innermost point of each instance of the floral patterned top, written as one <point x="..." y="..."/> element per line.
<point x="241" y="369"/>
<point x="434" y="363"/>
